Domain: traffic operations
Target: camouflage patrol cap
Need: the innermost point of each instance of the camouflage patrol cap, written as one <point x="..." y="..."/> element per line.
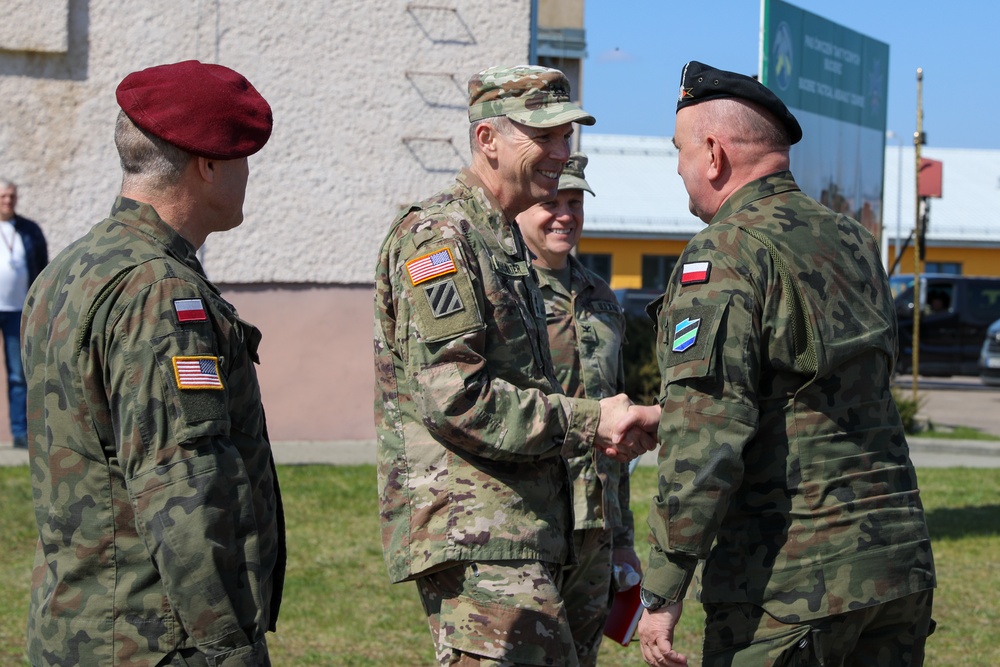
<point x="572" y="174"/>
<point x="532" y="96"/>
<point x="700" y="82"/>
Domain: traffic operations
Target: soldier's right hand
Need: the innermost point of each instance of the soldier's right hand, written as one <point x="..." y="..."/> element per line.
<point x="621" y="434"/>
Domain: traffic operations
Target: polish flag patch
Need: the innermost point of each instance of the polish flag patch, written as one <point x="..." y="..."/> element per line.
<point x="190" y="310"/>
<point x="694" y="273"/>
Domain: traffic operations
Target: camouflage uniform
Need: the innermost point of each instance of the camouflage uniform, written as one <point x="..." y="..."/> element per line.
<point x="161" y="536"/>
<point x="469" y="417"/>
<point x="586" y="328"/>
<point x="783" y="458"/>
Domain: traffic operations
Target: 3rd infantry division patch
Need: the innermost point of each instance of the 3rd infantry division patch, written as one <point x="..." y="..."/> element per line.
<point x="443" y="298"/>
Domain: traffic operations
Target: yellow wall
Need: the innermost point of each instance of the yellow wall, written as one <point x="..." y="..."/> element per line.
<point x="626" y="256"/>
<point x="974" y="261"/>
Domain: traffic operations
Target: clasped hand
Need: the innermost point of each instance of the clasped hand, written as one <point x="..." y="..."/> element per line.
<point x="626" y="431"/>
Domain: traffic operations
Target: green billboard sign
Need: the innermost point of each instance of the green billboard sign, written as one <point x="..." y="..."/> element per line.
<point x="835" y="81"/>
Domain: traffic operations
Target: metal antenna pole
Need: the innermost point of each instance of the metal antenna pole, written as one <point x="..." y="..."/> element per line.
<point x="918" y="236"/>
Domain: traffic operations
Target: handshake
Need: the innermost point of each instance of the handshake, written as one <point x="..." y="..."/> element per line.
<point x="626" y="431"/>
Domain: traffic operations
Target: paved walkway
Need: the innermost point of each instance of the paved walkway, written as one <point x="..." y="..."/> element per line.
<point x="926" y="453"/>
<point x="945" y="402"/>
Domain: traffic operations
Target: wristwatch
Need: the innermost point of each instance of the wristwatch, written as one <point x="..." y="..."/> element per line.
<point x="651" y="601"/>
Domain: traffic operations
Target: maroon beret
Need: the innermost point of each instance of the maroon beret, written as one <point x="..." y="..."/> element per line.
<point x="208" y="110"/>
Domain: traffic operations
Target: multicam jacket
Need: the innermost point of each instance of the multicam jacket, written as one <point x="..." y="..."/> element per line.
<point x="469" y="417"/>
<point x="781" y="442"/>
<point x="159" y="517"/>
<point x="586" y="328"/>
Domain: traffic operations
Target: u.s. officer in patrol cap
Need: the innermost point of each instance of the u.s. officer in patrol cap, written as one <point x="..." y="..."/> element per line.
<point x="161" y="537"/>
<point x="787" y="468"/>
<point x="472" y="425"/>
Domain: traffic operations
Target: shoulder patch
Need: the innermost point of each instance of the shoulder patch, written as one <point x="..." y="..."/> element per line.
<point x="190" y="310"/>
<point x="424" y="268"/>
<point x="685" y="334"/>
<point x="691" y="334"/>
<point x="197" y="372"/>
<point x="445" y="308"/>
<point x="444" y="298"/>
<point x="695" y="273"/>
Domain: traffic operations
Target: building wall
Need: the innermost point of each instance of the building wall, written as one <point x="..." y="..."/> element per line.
<point x="974" y="261"/>
<point x="369" y="102"/>
<point x="370" y="105"/>
<point x="626" y="256"/>
<point x="560" y="13"/>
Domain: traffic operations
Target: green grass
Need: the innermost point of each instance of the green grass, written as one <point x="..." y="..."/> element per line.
<point x="956" y="433"/>
<point x="339" y="608"/>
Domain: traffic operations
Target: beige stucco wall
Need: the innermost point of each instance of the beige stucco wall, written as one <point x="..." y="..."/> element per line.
<point x="369" y="104"/>
<point x="560" y="13"/>
<point x="368" y="101"/>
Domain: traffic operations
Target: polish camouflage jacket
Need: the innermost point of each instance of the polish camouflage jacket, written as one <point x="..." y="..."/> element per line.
<point x="780" y="439"/>
<point x="586" y="327"/>
<point x="159" y="516"/>
<point x="471" y="423"/>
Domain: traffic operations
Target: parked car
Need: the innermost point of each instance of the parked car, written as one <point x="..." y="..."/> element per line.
<point x="955" y="313"/>
<point x="634" y="300"/>
<point x="989" y="356"/>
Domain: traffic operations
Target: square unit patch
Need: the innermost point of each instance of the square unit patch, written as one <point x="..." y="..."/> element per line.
<point x="197" y="372"/>
<point x="444" y="298"/>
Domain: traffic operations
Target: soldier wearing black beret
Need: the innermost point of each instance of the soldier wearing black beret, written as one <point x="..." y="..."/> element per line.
<point x="161" y="536"/>
<point x="784" y="464"/>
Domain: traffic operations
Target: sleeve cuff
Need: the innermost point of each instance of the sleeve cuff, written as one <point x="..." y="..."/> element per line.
<point x="668" y="575"/>
<point x="584" y="415"/>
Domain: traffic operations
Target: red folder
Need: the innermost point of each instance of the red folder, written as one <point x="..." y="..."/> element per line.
<point x="625" y="612"/>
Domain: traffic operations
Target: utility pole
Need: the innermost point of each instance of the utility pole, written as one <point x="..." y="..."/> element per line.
<point x="918" y="236"/>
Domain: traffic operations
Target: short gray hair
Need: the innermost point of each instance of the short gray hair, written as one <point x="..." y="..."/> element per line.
<point x="147" y="157"/>
<point x="4" y="184"/>
<point x="501" y="124"/>
<point x="746" y="123"/>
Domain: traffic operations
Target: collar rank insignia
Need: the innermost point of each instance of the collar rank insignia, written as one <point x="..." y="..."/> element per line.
<point x="190" y="310"/>
<point x="432" y="265"/>
<point x="197" y="372"/>
<point x="695" y="273"/>
<point x="685" y="334"/>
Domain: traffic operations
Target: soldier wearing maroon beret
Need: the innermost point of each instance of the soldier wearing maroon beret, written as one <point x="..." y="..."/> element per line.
<point x="161" y="535"/>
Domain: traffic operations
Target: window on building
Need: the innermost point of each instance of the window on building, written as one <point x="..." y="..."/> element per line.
<point x="951" y="268"/>
<point x="598" y="263"/>
<point x="656" y="270"/>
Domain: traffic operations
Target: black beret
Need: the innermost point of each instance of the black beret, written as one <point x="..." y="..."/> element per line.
<point x="204" y="109"/>
<point x="700" y="82"/>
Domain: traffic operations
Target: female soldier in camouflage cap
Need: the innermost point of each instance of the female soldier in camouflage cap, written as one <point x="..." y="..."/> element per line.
<point x="586" y="329"/>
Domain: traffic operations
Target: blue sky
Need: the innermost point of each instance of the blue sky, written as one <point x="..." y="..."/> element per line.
<point x="636" y="49"/>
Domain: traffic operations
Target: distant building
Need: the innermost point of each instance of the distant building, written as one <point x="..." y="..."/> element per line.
<point x="639" y="222"/>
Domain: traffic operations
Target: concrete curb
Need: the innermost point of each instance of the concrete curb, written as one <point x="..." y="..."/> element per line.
<point x="926" y="452"/>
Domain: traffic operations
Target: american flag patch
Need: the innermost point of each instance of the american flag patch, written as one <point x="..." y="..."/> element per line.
<point x="437" y="263"/>
<point x="190" y="310"/>
<point x="197" y="372"/>
<point x="693" y="273"/>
